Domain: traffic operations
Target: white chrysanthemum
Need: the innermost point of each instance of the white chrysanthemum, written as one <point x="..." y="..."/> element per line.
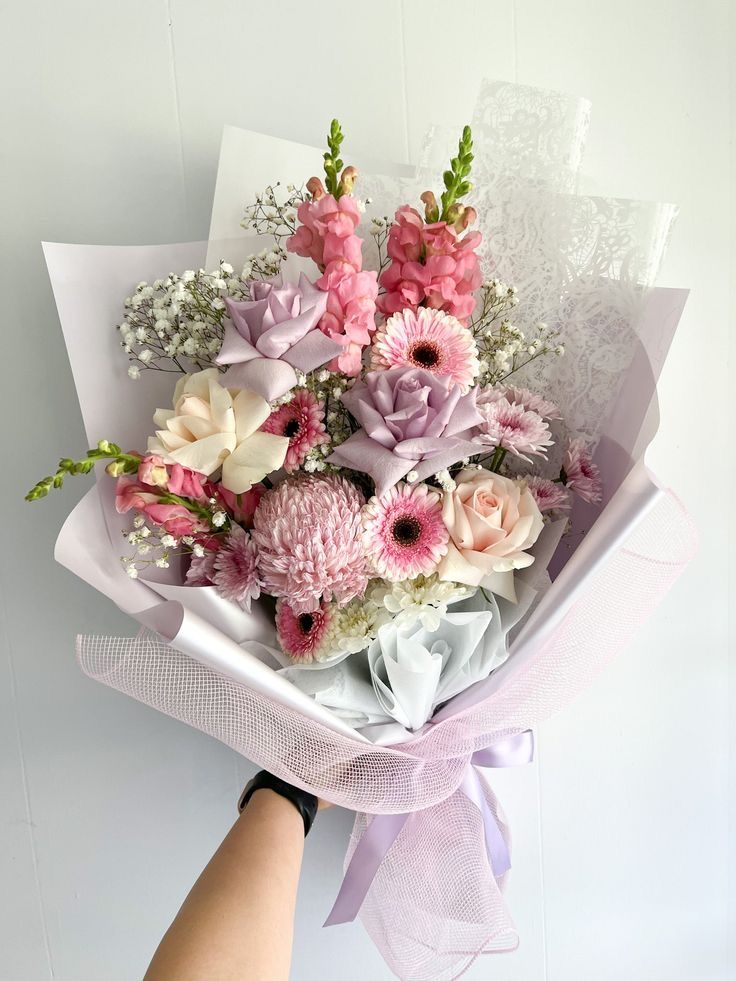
<point x="425" y="598"/>
<point x="353" y="628"/>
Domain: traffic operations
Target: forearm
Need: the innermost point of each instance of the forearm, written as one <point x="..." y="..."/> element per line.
<point x="237" y="921"/>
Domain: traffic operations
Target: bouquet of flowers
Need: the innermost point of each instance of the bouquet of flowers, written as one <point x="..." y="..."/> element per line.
<point x="395" y="480"/>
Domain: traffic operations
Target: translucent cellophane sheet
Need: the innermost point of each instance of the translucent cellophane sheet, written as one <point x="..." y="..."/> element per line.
<point x="587" y="265"/>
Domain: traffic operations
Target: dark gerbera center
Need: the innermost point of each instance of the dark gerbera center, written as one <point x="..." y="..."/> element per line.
<point x="426" y="354"/>
<point x="292" y="428"/>
<point x="406" y="531"/>
<point x="305" y="622"/>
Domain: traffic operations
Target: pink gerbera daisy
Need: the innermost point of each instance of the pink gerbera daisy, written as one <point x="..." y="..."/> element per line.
<point x="580" y="474"/>
<point x="514" y="428"/>
<point x="403" y="532"/>
<point x="301" y="635"/>
<point x="302" y="421"/>
<point x="307" y="531"/>
<point x="428" y="339"/>
<point x="548" y="495"/>
<point x="236" y="575"/>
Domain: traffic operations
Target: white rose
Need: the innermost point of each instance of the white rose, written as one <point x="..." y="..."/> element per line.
<point x="211" y="426"/>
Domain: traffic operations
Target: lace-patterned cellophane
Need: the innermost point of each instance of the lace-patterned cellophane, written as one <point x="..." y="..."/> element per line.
<point x="579" y="263"/>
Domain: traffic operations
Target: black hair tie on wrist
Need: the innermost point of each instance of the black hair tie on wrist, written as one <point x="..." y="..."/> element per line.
<point x="302" y="800"/>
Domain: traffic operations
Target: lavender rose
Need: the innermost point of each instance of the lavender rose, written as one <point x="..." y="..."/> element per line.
<point x="274" y="333"/>
<point x="411" y="419"/>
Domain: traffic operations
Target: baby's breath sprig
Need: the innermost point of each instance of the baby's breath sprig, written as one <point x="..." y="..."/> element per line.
<point x="177" y="324"/>
<point x="504" y="348"/>
<point x="154" y="546"/>
<point x="119" y="463"/>
<point x="380" y="228"/>
<point x="496" y="298"/>
<point x="273" y="213"/>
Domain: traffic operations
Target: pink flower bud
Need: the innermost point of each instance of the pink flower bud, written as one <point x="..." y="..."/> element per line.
<point x="347" y="180"/>
<point x="431" y="208"/>
<point x="315" y="187"/>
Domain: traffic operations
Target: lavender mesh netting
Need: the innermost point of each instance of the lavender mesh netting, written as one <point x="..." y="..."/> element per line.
<point x="434" y="904"/>
<point x="585" y="264"/>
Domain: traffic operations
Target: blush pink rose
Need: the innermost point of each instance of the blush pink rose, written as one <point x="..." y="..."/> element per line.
<point x="492" y="521"/>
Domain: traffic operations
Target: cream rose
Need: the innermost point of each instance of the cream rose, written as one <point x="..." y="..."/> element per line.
<point x="211" y="426"/>
<point x="491" y="520"/>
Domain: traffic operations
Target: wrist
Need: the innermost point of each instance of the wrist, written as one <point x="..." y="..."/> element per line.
<point x="267" y="792"/>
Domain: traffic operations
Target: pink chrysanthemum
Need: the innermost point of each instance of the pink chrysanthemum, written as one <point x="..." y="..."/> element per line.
<point x="302" y="635"/>
<point x="403" y="532"/>
<point x="308" y="534"/>
<point x="428" y="339"/>
<point x="302" y="421"/>
<point x="514" y="428"/>
<point x="201" y="571"/>
<point x="548" y="495"/>
<point x="580" y="474"/>
<point x="530" y="400"/>
<point x="236" y="574"/>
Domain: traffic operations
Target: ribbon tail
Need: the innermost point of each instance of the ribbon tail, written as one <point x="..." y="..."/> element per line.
<point x="515" y="750"/>
<point x="370" y="851"/>
<point x="498" y="852"/>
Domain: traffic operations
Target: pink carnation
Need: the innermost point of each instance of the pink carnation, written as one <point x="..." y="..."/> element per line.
<point x="308" y="534"/>
<point x="580" y="474"/>
<point x="431" y="266"/>
<point x="302" y="421"/>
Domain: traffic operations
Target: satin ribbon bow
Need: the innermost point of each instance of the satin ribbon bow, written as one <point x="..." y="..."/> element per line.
<point x="384" y="829"/>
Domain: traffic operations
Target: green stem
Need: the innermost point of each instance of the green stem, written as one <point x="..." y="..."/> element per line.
<point x="168" y="498"/>
<point x="105" y="450"/>
<point x="497" y="460"/>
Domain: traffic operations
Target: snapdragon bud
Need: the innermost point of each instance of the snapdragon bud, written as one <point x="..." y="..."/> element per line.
<point x="116" y="468"/>
<point x="347" y="181"/>
<point x="431" y="208"/>
<point x="316" y="188"/>
<point x="460" y="216"/>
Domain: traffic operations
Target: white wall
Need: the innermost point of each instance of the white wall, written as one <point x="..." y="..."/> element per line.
<point x="111" y="115"/>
